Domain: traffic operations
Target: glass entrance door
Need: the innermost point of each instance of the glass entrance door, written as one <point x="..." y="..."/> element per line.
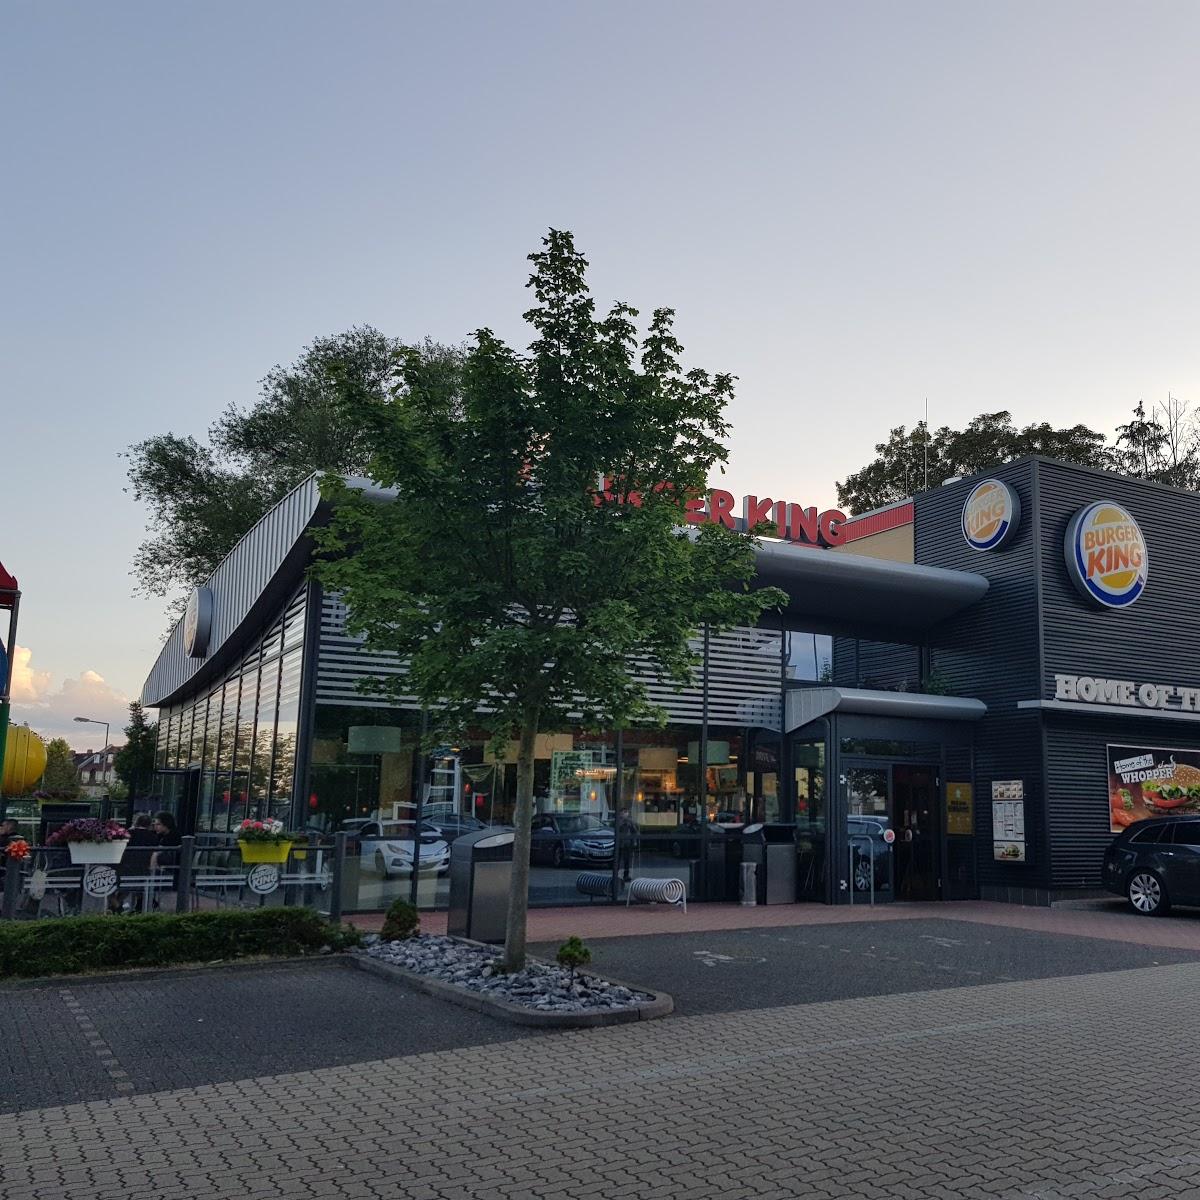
<point x="915" y="808"/>
<point x="868" y="823"/>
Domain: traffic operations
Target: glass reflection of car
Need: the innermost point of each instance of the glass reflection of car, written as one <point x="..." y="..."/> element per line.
<point x="454" y="825"/>
<point x="561" y="838"/>
<point x="865" y="833"/>
<point x="389" y="846"/>
<point x="1155" y="863"/>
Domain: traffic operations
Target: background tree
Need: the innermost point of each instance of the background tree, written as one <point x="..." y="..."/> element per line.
<point x="502" y="574"/>
<point x="134" y="762"/>
<point x="201" y="498"/>
<point x="898" y="469"/>
<point x="60" y="779"/>
<point x="1162" y="444"/>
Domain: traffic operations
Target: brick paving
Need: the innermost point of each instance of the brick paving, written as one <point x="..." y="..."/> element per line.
<point x="1077" y="1086"/>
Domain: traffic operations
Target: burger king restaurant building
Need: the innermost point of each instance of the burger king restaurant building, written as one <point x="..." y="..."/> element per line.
<point x="1012" y="675"/>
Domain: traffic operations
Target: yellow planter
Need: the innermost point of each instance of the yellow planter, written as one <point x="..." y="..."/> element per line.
<point x="264" y="852"/>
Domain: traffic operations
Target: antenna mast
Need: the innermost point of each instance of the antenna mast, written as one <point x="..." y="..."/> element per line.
<point x="926" y="443"/>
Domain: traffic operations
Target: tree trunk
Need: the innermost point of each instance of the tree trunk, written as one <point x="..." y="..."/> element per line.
<point x="518" y="892"/>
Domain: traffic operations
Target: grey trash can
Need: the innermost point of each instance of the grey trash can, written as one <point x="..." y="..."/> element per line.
<point x="781" y="864"/>
<point x="480" y="872"/>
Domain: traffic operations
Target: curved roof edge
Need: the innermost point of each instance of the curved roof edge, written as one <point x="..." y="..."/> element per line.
<point x="809" y="704"/>
<point x="268" y="558"/>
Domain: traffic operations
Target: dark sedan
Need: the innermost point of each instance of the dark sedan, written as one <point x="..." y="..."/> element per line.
<point x="1155" y="863"/>
<point x="559" y="838"/>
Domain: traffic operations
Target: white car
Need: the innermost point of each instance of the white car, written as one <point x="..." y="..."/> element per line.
<point x="388" y="845"/>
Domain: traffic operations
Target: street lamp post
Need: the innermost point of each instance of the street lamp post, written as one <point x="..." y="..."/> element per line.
<point x="104" y="751"/>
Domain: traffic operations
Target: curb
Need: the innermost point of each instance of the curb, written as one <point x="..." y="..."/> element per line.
<point x="660" y="1004"/>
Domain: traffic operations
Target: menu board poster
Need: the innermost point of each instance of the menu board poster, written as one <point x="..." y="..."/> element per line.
<point x="1008" y="830"/>
<point x="1151" y="781"/>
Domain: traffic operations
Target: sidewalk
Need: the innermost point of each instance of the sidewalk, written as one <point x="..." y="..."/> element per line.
<point x="1179" y="931"/>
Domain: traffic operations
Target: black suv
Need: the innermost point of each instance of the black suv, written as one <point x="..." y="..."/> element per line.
<point x="1155" y="863"/>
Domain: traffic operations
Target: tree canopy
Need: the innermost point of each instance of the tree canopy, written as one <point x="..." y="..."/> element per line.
<point x="201" y="497"/>
<point x="60" y="779"/>
<point x="516" y="585"/>
<point x="1161" y="445"/>
<point x="134" y="762"/>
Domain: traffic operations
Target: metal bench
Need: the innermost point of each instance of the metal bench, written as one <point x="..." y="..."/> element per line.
<point x="657" y="891"/>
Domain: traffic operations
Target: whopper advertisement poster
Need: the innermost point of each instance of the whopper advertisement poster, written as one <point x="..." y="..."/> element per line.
<point x="1150" y="781"/>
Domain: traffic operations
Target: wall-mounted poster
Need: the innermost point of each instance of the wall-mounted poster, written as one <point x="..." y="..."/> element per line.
<point x="960" y="814"/>
<point x="1150" y="781"/>
<point x="1008" y="820"/>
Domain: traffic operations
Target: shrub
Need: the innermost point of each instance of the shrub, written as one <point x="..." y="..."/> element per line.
<point x="401" y="921"/>
<point x="573" y="953"/>
<point x="57" y="946"/>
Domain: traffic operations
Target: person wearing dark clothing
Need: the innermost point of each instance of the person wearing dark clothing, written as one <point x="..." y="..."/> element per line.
<point x="135" y="863"/>
<point x="627" y="836"/>
<point x="8" y="831"/>
<point x="167" y="839"/>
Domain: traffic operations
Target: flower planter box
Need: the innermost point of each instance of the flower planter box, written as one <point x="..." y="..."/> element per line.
<point x="264" y="852"/>
<point x="85" y="853"/>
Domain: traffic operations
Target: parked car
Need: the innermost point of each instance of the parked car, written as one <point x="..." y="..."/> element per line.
<point x="454" y="825"/>
<point x="388" y="845"/>
<point x="559" y="838"/>
<point x="860" y="828"/>
<point x="1155" y="863"/>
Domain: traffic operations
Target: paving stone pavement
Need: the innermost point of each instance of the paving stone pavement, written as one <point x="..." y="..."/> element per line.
<point x="1077" y="1086"/>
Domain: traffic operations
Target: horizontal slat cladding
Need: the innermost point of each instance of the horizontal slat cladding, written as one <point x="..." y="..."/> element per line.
<point x="885" y="665"/>
<point x="1154" y="640"/>
<point x="744" y="676"/>
<point x="990" y="651"/>
<point x="236" y="584"/>
<point x="1077" y="781"/>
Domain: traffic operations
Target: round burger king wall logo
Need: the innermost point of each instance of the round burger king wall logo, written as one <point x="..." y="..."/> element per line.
<point x="991" y="515"/>
<point x="1106" y="554"/>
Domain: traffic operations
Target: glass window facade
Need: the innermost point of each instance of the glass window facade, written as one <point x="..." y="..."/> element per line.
<point x="232" y="751"/>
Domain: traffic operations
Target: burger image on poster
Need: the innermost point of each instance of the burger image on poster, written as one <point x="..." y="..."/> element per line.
<point x="990" y="515"/>
<point x="1106" y="554"/>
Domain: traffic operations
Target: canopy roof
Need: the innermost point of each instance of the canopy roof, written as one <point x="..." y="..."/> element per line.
<point x="865" y="597"/>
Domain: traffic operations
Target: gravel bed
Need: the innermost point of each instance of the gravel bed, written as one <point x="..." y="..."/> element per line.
<point x="540" y="986"/>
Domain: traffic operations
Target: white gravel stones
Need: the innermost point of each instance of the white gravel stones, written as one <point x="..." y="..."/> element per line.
<point x="539" y="986"/>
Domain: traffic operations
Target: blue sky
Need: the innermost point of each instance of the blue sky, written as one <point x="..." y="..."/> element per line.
<point x="852" y="206"/>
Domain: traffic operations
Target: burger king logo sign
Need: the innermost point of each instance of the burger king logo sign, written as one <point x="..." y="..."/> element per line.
<point x="991" y="515"/>
<point x="1106" y="554"/>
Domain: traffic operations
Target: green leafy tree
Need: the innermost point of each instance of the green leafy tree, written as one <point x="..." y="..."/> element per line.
<point x="904" y="463"/>
<point x="59" y="778"/>
<point x="518" y="590"/>
<point x="202" y="497"/>
<point x="134" y="762"/>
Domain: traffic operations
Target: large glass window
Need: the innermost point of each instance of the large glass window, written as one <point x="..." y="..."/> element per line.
<point x="229" y="707"/>
<point x="287" y="723"/>
<point x="212" y="731"/>
<point x="808" y="766"/>
<point x="264" y="737"/>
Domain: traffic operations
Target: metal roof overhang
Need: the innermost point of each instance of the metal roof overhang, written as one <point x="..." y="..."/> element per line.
<point x="854" y="595"/>
<point x="809" y="704"/>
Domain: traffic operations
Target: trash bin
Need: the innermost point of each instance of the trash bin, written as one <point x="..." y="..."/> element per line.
<point x="749" y="884"/>
<point x="781" y="864"/>
<point x="754" y="850"/>
<point x="717" y="883"/>
<point x="480" y="872"/>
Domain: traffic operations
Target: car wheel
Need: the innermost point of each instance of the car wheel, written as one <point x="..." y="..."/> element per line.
<point x="381" y="865"/>
<point x="1147" y="894"/>
<point x="557" y="858"/>
<point x="862" y="876"/>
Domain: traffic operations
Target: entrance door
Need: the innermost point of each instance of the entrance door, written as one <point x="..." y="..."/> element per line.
<point x="916" y="794"/>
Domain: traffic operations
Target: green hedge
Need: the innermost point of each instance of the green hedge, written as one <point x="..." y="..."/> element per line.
<point x="57" y="946"/>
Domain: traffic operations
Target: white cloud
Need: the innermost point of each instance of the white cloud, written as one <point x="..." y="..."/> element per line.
<point x="28" y="685"/>
<point x="52" y="711"/>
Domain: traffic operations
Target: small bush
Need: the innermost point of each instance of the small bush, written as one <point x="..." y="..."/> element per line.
<point x="401" y="921"/>
<point x="58" y="946"/>
<point x="574" y="954"/>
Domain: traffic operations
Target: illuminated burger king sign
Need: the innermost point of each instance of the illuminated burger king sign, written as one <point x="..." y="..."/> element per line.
<point x="1106" y="554"/>
<point x="991" y="515"/>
